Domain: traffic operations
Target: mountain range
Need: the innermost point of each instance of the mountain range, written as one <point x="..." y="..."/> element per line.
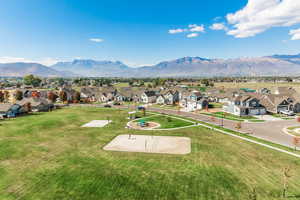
<point x="276" y="65"/>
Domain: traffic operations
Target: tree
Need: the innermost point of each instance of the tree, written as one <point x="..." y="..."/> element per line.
<point x="28" y="107"/>
<point x="19" y="95"/>
<point x="238" y="125"/>
<point x="32" y="80"/>
<point x="76" y="97"/>
<point x="6" y="96"/>
<point x="205" y="82"/>
<point x="63" y="96"/>
<point x="52" y="96"/>
<point x="296" y="142"/>
<point x="1" y="97"/>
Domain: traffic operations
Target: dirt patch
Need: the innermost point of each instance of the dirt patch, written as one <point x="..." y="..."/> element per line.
<point x="150" y="144"/>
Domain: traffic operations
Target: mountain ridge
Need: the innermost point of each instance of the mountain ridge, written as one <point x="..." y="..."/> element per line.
<point x="274" y="65"/>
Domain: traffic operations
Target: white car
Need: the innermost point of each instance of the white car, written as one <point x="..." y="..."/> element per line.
<point x="287" y="112"/>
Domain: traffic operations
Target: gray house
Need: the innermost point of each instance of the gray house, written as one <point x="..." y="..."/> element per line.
<point x="10" y="110"/>
<point x="244" y="105"/>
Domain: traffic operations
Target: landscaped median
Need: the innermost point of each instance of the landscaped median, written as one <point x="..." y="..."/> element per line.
<point x="294" y="130"/>
<point x="232" y="117"/>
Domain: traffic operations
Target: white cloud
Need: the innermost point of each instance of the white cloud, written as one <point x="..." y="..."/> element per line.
<point x="43" y="61"/>
<point x="217" y="18"/>
<point x="98" y="40"/>
<point x="218" y="27"/>
<point x="196" y="28"/>
<point x="295" y="33"/>
<point x="178" y="30"/>
<point x="193" y="30"/>
<point x="260" y="15"/>
<point x="192" y="35"/>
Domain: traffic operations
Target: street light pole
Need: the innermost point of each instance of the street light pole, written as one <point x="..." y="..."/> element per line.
<point x="223" y="115"/>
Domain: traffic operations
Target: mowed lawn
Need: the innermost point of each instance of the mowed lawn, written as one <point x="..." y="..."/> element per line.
<point x="166" y="121"/>
<point x="49" y="156"/>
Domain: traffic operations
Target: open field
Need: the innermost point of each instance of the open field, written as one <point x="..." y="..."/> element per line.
<point x="270" y="85"/>
<point x="48" y="156"/>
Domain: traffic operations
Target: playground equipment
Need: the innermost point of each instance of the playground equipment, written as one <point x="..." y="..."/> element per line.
<point x="142" y="123"/>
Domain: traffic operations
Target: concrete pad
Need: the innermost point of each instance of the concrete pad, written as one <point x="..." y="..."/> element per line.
<point x="150" y="144"/>
<point x="97" y="123"/>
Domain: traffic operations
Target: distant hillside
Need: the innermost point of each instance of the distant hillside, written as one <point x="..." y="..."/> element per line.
<point x="93" y="68"/>
<point x="196" y="66"/>
<point x="290" y="58"/>
<point x="276" y="65"/>
<point x="22" y="69"/>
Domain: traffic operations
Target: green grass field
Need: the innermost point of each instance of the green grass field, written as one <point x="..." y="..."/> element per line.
<point x="166" y="121"/>
<point x="48" y="156"/>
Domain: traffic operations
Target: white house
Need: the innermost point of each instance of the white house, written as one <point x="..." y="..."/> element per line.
<point x="160" y="100"/>
<point x="148" y="97"/>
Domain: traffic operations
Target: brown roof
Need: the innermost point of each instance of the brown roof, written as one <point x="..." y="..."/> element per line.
<point x="33" y="101"/>
<point x="4" y="107"/>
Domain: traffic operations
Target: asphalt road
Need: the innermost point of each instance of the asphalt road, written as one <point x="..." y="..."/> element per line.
<point x="270" y="131"/>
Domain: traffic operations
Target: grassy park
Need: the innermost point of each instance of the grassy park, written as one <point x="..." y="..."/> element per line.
<point x="167" y="122"/>
<point x="49" y="156"/>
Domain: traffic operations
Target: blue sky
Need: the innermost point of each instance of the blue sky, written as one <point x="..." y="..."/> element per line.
<point x="142" y="32"/>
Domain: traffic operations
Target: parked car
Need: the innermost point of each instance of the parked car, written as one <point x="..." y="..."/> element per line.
<point x="287" y="112"/>
<point x="117" y="103"/>
<point x="107" y="106"/>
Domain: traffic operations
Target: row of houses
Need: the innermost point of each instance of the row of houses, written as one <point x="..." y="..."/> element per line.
<point x="236" y="101"/>
<point x="26" y="105"/>
<point x="189" y="99"/>
<point x="257" y="103"/>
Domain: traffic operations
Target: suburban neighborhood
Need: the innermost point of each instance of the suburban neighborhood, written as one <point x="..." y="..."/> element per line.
<point x="150" y="100"/>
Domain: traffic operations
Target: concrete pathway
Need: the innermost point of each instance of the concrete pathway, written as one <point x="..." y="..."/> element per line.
<point x="270" y="130"/>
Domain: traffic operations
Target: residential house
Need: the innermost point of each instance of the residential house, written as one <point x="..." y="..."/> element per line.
<point x="196" y="105"/>
<point x="36" y="104"/>
<point x="149" y="97"/>
<point x="193" y="100"/>
<point x="275" y="103"/>
<point x="168" y="97"/>
<point x="160" y="99"/>
<point x="244" y="105"/>
<point x="70" y="93"/>
<point x="10" y="110"/>
<point x="107" y="94"/>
